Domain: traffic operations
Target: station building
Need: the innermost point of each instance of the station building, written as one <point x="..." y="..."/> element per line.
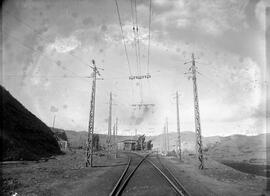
<point x="128" y="144"/>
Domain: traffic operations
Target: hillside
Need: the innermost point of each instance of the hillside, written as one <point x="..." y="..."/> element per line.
<point x="60" y="134"/>
<point x="187" y="141"/>
<point x="23" y="135"/>
<point x="78" y="138"/>
<point x="241" y="148"/>
<point x="250" y="149"/>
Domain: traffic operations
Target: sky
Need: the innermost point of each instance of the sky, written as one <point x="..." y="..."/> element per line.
<point x="48" y="47"/>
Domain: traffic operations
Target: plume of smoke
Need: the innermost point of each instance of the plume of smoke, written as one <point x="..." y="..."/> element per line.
<point x="140" y="116"/>
<point x="54" y="109"/>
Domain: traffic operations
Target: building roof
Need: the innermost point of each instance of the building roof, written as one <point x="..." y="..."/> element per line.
<point x="129" y="141"/>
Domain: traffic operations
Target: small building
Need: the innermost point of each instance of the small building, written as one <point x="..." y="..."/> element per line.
<point x="61" y="138"/>
<point x="129" y="144"/>
<point x="63" y="144"/>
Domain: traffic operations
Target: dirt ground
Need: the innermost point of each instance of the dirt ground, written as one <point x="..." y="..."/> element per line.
<point x="67" y="175"/>
<point x="63" y="175"/>
<point x="215" y="179"/>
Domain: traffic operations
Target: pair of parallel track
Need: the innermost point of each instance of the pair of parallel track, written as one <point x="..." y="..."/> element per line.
<point x="159" y="167"/>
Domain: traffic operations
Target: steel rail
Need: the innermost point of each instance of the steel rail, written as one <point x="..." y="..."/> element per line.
<point x="183" y="191"/>
<point x="120" y="179"/>
<point x="180" y="192"/>
<point x="174" y="178"/>
<point x="122" y="187"/>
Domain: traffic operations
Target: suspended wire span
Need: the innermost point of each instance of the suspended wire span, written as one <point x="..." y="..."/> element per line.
<point x="139" y="69"/>
<point x="134" y="36"/>
<point x="149" y="38"/>
<point x="138" y="38"/>
<point x="123" y="38"/>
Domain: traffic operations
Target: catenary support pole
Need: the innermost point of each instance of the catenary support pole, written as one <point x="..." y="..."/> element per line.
<point x="89" y="153"/>
<point x="109" y="145"/>
<point x="197" y="115"/>
<point x="178" y="127"/>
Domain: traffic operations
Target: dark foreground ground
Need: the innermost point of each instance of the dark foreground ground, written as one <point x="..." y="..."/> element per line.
<point x="260" y="170"/>
<point x="67" y="175"/>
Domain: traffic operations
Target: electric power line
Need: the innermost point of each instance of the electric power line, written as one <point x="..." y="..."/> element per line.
<point x="149" y="38"/>
<point x="123" y="38"/>
<point x="137" y="37"/>
<point x="134" y="36"/>
<point x="139" y="71"/>
<point x="150" y="10"/>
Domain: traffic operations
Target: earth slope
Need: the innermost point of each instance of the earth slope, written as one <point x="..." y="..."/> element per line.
<point x="187" y="141"/>
<point x="78" y="138"/>
<point x="240" y="148"/>
<point x="23" y="135"/>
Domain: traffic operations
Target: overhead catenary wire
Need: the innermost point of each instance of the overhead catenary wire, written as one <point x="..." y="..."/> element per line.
<point x="123" y="37"/>
<point x="134" y="35"/>
<point x="139" y="72"/>
<point x="149" y="39"/>
<point x="149" y="34"/>
<point x="138" y="38"/>
<point x="135" y="43"/>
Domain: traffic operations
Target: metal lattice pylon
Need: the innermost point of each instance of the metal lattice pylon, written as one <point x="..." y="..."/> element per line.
<point x="178" y="127"/>
<point x="109" y="144"/>
<point x="116" y="138"/>
<point x="197" y="115"/>
<point x="164" y="140"/>
<point x="89" y="153"/>
<point x="167" y="135"/>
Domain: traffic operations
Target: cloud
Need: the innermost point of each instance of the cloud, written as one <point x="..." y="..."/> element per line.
<point x="53" y="109"/>
<point x="64" y="45"/>
<point x="260" y="12"/>
<point x="139" y="116"/>
<point x="214" y="30"/>
<point x="104" y="28"/>
<point x="197" y="22"/>
<point x="88" y="21"/>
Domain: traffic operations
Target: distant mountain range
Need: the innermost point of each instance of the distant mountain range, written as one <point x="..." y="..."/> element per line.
<point x="251" y="149"/>
<point x="187" y="141"/>
<point x="242" y="148"/>
<point x="25" y="137"/>
<point x="79" y="138"/>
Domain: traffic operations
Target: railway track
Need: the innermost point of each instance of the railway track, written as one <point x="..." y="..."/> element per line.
<point x="126" y="175"/>
<point x="170" y="177"/>
<point x="134" y="164"/>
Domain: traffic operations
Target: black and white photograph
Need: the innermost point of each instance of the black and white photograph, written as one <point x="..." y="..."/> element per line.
<point x="135" y="97"/>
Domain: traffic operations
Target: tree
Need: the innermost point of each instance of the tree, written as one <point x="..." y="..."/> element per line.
<point x="96" y="142"/>
<point x="140" y="143"/>
<point x="149" y="145"/>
